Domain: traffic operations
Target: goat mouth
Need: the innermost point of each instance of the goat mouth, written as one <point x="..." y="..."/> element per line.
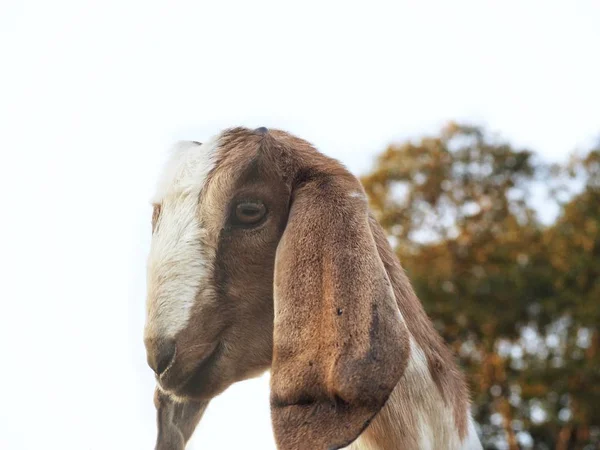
<point x="175" y="382"/>
<point x="200" y="376"/>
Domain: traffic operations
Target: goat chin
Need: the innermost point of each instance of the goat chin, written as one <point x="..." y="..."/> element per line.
<point x="266" y="246"/>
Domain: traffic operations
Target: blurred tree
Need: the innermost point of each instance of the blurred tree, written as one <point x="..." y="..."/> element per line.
<point x="518" y="301"/>
<point x="573" y="246"/>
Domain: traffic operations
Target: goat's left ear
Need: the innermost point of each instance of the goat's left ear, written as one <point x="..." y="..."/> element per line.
<point x="176" y="421"/>
<point x="340" y="343"/>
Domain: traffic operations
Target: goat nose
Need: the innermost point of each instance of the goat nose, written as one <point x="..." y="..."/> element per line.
<point x="160" y="353"/>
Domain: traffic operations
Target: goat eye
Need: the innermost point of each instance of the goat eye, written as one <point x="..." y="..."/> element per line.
<point x="249" y="213"/>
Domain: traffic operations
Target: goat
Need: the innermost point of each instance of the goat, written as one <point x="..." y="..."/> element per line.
<point x="264" y="255"/>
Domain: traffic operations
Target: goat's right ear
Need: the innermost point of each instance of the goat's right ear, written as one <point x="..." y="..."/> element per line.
<point x="340" y="343"/>
<point x="176" y="421"/>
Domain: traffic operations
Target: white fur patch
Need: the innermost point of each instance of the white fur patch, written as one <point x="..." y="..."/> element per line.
<point x="472" y="441"/>
<point x="176" y="267"/>
<point x="437" y="429"/>
<point x="427" y="418"/>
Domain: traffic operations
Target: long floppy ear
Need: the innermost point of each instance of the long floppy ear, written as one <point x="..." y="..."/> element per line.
<point x="340" y="343"/>
<point x="176" y="421"/>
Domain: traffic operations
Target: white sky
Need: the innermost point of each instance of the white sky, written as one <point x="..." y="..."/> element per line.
<point x="93" y="92"/>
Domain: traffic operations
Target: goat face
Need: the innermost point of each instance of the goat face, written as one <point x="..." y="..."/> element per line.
<point x="210" y="269"/>
<point x="262" y="255"/>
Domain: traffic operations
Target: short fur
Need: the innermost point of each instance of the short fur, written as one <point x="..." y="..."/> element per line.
<point x="314" y="292"/>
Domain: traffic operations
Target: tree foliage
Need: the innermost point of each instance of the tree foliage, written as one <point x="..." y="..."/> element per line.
<point x="517" y="299"/>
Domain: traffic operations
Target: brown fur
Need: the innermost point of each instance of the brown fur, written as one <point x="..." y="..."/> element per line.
<point x="329" y="328"/>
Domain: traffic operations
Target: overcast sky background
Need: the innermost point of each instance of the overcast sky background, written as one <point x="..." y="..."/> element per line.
<point x="92" y="93"/>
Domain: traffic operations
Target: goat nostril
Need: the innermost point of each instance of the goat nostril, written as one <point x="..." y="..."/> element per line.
<point x="161" y="355"/>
